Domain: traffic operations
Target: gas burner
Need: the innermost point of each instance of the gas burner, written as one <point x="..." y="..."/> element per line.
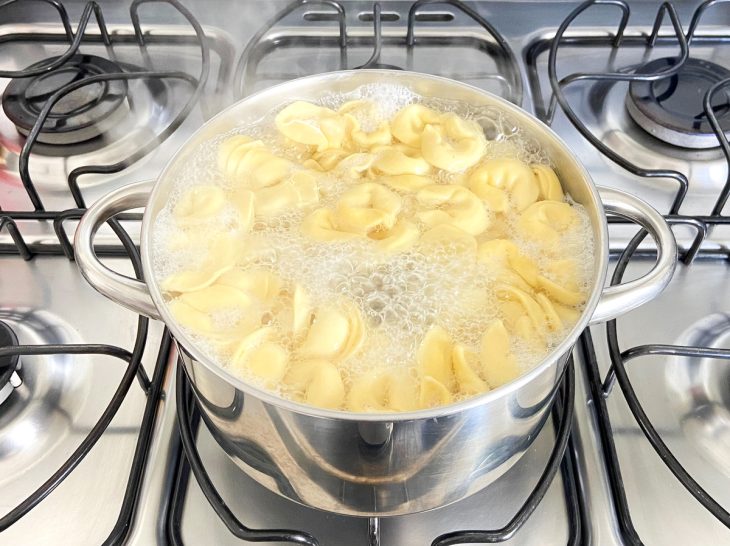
<point x="9" y="365"/>
<point x="671" y="109"/>
<point x="81" y="115"/>
<point x="699" y="387"/>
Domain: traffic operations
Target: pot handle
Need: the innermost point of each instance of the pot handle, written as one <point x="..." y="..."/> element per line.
<point x="126" y="291"/>
<point x="619" y="299"/>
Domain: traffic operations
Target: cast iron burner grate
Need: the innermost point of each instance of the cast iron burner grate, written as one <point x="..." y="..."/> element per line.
<point x="672" y="109"/>
<point x="10" y="364"/>
<point x="80" y="115"/>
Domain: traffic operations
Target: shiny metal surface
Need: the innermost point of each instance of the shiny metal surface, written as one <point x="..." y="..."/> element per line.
<point x="376" y="464"/>
<point x="126" y="291"/>
<point x="44" y="420"/>
<point x="488" y="509"/>
<point x="617" y="300"/>
<point x="689" y="414"/>
<point x="80" y="511"/>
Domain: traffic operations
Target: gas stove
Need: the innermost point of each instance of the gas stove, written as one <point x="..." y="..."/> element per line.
<point x="99" y="441"/>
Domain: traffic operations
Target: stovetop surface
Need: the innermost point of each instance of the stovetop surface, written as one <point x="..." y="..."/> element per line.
<point x="48" y="302"/>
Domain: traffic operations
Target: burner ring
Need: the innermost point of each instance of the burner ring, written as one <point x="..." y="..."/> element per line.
<point x="81" y="115"/>
<point x="671" y="109"/>
<point x="8" y="364"/>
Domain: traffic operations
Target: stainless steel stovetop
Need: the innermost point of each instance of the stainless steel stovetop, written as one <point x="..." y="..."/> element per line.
<point x="85" y="410"/>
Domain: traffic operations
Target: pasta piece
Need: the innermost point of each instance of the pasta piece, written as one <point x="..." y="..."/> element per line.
<point x="564" y="272"/>
<point x="408" y="124"/>
<point x="317" y="382"/>
<point x="450" y="236"/>
<point x="547" y="181"/>
<point x="367" y="207"/>
<point x="567" y="314"/>
<point x="248" y="162"/>
<point x="406" y="182"/>
<point x="433" y="393"/>
<point x="356" y="166"/>
<point x="504" y="253"/>
<point x="300" y="190"/>
<point x="251" y="341"/>
<point x="467" y="379"/>
<point x="528" y="303"/>
<point x="402" y="391"/>
<point x="335" y="333"/>
<point x="312" y="125"/>
<point x="301" y="309"/>
<point x="544" y="223"/>
<point x="398" y="238"/>
<point x="554" y="322"/>
<point x="190" y="318"/>
<point x="453" y="145"/>
<point x="327" y="159"/>
<point x="215" y="297"/>
<point x="369" y="393"/>
<point x="383" y="391"/>
<point x="189" y="281"/>
<point x="199" y="204"/>
<point x="459" y="208"/>
<point x="434" y="357"/>
<point x="321" y="225"/>
<point x="381" y="136"/>
<point x="508" y="175"/>
<point x="224" y="251"/>
<point x="559" y="293"/>
<point x="259" y="283"/>
<point x="243" y="202"/>
<point x="399" y="159"/>
<point x="499" y="365"/>
<point x="359" y="111"/>
<point x="268" y="361"/>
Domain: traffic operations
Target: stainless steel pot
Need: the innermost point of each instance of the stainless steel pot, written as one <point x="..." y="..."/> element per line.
<point x="376" y="464"/>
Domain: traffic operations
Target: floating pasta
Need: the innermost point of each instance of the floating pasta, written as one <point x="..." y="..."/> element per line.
<point x="548" y="183"/>
<point x="400" y="237"/>
<point x="312" y="125"/>
<point x="383" y="391"/>
<point x="317" y="382"/>
<point x="367" y="207"/>
<point x="336" y="332"/>
<point x="457" y="207"/>
<point x="442" y="261"/>
<point x="499" y="365"/>
<point x="248" y="162"/>
<point x="399" y="159"/>
<point x="510" y="176"/>
<point x="455" y="144"/>
<point x="409" y="123"/>
<point x="199" y="204"/>
<point x="545" y="222"/>
<point x="359" y="111"/>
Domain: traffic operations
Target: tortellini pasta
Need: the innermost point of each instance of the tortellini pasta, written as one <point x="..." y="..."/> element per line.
<point x="544" y="222"/>
<point x="266" y="184"/>
<point x="454" y="144"/>
<point x="420" y="190"/>
<point x="312" y="125"/>
<point x="457" y="207"/>
<point x="511" y="177"/>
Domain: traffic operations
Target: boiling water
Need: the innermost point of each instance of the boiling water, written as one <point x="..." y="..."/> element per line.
<point x="400" y="296"/>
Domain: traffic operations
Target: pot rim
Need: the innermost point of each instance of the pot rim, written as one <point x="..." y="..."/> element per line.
<point x="552" y="358"/>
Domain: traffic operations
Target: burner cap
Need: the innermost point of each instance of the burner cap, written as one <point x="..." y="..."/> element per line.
<point x="8" y="364"/>
<point x="671" y="108"/>
<point x="79" y="116"/>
